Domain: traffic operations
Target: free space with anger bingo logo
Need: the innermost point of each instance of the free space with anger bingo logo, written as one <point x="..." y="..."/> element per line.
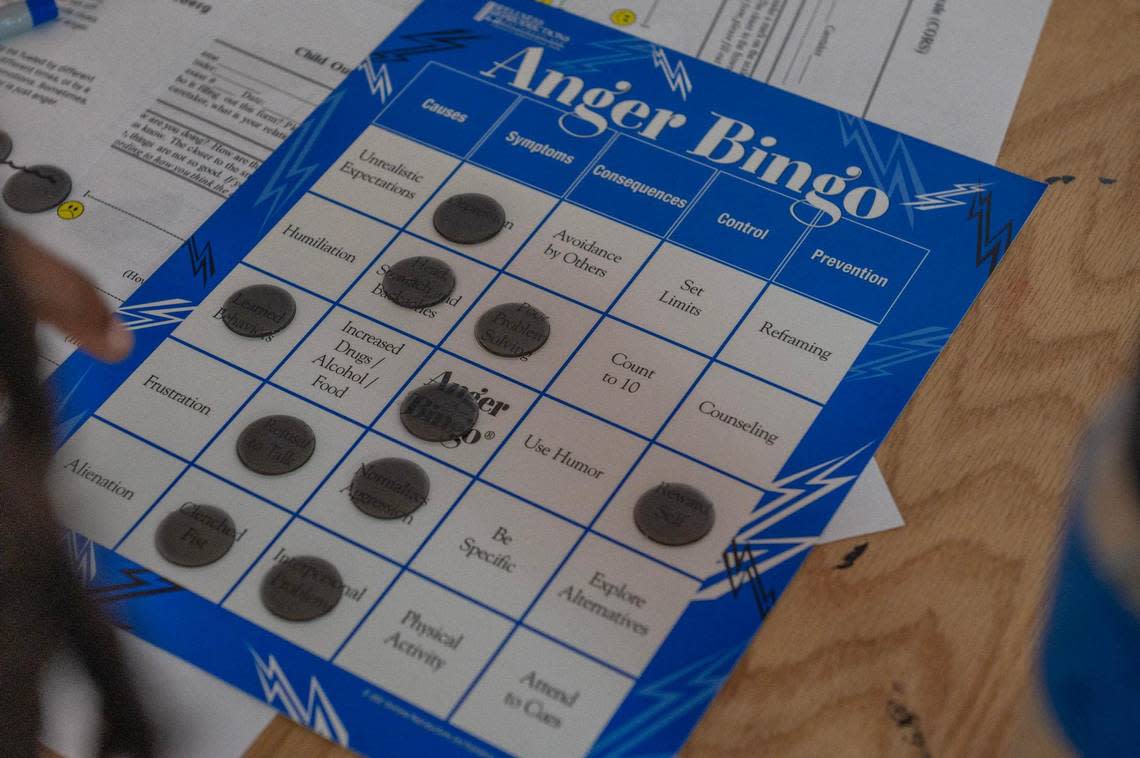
<point x="495" y="411"/>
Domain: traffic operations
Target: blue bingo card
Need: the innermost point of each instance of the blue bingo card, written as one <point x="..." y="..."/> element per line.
<point x="742" y="288"/>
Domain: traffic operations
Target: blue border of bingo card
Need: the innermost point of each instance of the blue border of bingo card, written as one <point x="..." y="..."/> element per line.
<point x="933" y="223"/>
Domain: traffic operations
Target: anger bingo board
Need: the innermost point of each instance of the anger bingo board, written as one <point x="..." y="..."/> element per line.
<point x="495" y="411"/>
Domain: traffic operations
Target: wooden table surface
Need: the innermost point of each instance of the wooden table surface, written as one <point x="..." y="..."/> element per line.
<point x="924" y="646"/>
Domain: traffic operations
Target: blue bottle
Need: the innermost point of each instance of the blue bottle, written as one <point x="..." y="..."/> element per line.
<point x="1090" y="650"/>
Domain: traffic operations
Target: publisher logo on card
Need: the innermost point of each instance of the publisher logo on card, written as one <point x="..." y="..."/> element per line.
<point x="525" y="25"/>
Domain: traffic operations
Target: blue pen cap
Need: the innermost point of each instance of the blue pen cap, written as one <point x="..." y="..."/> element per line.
<point x="42" y="11"/>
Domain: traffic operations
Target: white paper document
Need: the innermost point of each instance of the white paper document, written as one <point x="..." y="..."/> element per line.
<point x="67" y="86"/>
<point x="947" y="72"/>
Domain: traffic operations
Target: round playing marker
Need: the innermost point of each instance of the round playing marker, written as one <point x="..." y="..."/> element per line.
<point x="437" y="413"/>
<point x="419" y="282"/>
<point x="389" y="488"/>
<point x="37" y="189"/>
<point x="513" y="329"/>
<point x="301" y="588"/>
<point x="195" y="535"/>
<point x="275" y="445"/>
<point x="259" y="310"/>
<point x="5" y="146"/>
<point x="674" y="514"/>
<point x="469" y="218"/>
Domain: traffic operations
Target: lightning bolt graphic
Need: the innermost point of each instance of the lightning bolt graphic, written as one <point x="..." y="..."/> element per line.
<point x="318" y="714"/>
<point x="617" y="50"/>
<point x="424" y="43"/>
<point x="901" y="348"/>
<point x="782" y="499"/>
<point x="795" y="492"/>
<point x="671" y="697"/>
<point x="81" y="551"/>
<point x="895" y="172"/>
<point x="379" y="80"/>
<point x="677" y="76"/>
<point x="64" y="427"/>
<point x="991" y="246"/>
<point x="932" y="201"/>
<point x="293" y="173"/>
<point x="746" y="561"/>
<point x="159" y="313"/>
<point x="140" y="582"/>
<point x="201" y="259"/>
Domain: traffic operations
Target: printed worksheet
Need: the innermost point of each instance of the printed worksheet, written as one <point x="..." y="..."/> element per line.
<point x="948" y="72"/>
<point x="66" y="86"/>
<point x="153" y="148"/>
<point x="501" y="402"/>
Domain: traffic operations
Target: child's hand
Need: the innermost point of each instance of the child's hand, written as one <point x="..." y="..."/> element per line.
<point x="60" y="295"/>
<point x="44" y="606"/>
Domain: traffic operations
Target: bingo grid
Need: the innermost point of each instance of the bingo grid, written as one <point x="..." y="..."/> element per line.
<point x="661" y="366"/>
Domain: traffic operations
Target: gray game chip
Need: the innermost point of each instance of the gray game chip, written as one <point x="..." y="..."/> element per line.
<point x="513" y="329"/>
<point x="5" y="146"/>
<point x="259" y="310"/>
<point x="37" y="188"/>
<point x="469" y="218"/>
<point x="389" y="488"/>
<point x="195" y="535"/>
<point x="275" y="445"/>
<point x="674" y="514"/>
<point x="438" y="413"/>
<point x="419" y="282"/>
<point x="301" y="588"/>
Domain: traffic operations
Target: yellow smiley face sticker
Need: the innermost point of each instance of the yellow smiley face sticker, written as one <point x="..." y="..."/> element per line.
<point x="623" y="17"/>
<point x="70" y="210"/>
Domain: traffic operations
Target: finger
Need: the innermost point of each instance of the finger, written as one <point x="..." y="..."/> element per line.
<point x="62" y="296"/>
